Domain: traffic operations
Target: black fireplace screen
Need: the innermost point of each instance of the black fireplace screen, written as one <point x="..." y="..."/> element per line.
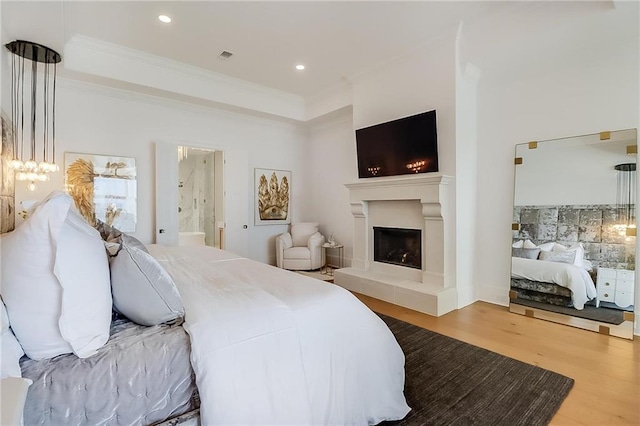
<point x="398" y="246"/>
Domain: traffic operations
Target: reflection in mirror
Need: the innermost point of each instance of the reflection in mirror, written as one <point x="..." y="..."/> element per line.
<point x="574" y="243"/>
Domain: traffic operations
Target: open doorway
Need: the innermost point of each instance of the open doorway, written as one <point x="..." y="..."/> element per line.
<point x="200" y="197"/>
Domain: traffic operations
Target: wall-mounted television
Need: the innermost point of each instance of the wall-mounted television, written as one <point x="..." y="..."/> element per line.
<point x="407" y="145"/>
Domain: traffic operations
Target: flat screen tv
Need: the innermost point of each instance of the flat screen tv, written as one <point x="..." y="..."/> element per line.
<point x="407" y="145"/>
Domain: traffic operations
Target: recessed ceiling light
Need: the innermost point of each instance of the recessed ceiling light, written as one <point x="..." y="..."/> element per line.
<point x="300" y="67"/>
<point x="164" y="18"/>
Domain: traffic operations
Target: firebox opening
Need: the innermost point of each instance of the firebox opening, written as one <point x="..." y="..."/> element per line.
<point x="398" y="246"/>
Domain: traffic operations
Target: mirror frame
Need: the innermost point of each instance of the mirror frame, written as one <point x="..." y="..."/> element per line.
<point x="623" y="330"/>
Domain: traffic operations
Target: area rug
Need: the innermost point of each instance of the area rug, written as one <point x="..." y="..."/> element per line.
<point x="602" y="314"/>
<point x="449" y="382"/>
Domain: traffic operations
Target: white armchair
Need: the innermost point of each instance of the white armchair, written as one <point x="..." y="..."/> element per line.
<point x="300" y="250"/>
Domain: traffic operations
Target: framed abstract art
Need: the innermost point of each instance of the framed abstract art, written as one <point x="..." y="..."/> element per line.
<point x="104" y="187"/>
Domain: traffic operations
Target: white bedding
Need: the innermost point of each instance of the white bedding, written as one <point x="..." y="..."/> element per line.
<point x="271" y="346"/>
<point x="572" y="277"/>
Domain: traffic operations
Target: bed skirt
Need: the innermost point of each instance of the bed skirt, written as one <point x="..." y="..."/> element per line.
<point x="541" y="292"/>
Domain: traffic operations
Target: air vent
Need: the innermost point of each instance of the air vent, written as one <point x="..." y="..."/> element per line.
<point x="225" y="55"/>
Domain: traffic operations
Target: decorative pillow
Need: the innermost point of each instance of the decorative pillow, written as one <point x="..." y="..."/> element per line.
<point x="142" y="290"/>
<point x="559" y="256"/>
<point x="550" y="246"/>
<point x="113" y="235"/>
<point x="11" y="349"/>
<point x="578" y="249"/>
<point x="526" y="253"/>
<point x="55" y="282"/>
<point x="524" y="244"/>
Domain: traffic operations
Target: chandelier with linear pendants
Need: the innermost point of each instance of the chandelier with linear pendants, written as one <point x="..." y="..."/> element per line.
<point x="626" y="199"/>
<point x="33" y="111"/>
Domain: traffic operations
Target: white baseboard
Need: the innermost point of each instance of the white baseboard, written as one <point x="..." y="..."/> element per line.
<point x="494" y="294"/>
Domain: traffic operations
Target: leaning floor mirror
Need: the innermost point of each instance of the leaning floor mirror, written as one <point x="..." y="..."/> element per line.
<point x="574" y="231"/>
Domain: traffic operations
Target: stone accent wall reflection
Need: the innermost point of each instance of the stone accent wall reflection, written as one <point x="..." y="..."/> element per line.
<point x="591" y="225"/>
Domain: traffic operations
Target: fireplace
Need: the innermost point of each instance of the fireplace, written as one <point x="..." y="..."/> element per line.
<point x="420" y="205"/>
<point x="398" y="246"/>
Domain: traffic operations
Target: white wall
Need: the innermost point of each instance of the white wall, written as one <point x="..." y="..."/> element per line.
<point x="586" y="92"/>
<point x="91" y="119"/>
<point x="332" y="154"/>
<point x="422" y="82"/>
<point x="466" y="178"/>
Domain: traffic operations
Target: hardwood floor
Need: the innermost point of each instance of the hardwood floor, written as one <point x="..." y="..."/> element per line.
<point x="606" y="369"/>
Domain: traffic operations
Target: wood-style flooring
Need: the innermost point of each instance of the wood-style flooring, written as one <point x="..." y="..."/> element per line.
<point x="606" y="369"/>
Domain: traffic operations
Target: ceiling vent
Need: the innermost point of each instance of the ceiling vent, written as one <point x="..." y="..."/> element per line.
<point x="225" y="55"/>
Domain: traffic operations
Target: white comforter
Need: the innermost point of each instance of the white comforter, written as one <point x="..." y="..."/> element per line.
<point x="572" y="277"/>
<point x="274" y="347"/>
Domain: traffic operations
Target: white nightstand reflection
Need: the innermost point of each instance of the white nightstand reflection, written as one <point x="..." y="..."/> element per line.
<point x="326" y="249"/>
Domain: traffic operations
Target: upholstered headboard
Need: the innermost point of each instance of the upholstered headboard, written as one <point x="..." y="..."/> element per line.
<point x="7" y="182"/>
<point x="591" y="225"/>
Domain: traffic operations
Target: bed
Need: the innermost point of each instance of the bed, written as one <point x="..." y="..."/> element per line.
<point x="257" y="345"/>
<point x="142" y="375"/>
<point x="551" y="282"/>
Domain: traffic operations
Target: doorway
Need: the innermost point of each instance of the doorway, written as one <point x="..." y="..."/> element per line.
<point x="200" y="197"/>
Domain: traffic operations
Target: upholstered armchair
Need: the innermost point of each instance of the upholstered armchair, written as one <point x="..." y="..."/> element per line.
<point x="300" y="249"/>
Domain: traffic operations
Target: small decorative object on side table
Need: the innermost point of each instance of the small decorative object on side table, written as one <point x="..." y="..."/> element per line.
<point x="332" y="245"/>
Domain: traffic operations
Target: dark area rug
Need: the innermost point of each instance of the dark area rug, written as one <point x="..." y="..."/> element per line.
<point x="602" y="314"/>
<point x="449" y="382"/>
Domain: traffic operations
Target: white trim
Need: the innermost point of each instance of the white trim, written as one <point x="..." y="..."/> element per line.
<point x="150" y="99"/>
<point x="123" y="64"/>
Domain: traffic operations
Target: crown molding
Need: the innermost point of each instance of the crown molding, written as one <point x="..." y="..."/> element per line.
<point x="177" y="104"/>
<point x="88" y="55"/>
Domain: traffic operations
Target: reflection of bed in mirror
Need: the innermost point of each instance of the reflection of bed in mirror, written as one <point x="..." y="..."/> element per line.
<point x="573" y="252"/>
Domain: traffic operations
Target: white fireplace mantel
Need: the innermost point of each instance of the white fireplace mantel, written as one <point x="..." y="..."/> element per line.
<point x="431" y="290"/>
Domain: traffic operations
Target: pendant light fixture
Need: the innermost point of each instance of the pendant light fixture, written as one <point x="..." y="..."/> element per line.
<point x="33" y="111"/>
<point x="626" y="199"/>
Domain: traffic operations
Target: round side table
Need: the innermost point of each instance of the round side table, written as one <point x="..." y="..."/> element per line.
<point x="326" y="268"/>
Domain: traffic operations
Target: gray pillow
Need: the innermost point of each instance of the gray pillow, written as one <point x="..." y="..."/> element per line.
<point x="142" y="290"/>
<point x="526" y="253"/>
<point x="113" y="235"/>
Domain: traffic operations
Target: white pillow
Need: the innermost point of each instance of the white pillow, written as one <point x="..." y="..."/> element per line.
<point x="549" y="246"/>
<point x="55" y="282"/>
<point x="524" y="244"/>
<point x="557" y="256"/>
<point x="142" y="290"/>
<point x="578" y="258"/>
<point x="82" y="268"/>
<point x="11" y="349"/>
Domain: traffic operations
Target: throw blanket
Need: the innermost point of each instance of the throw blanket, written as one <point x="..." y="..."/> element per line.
<point x="271" y="346"/>
<point x="572" y="277"/>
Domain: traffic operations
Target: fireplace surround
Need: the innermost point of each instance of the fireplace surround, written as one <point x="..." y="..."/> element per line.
<point x="422" y="202"/>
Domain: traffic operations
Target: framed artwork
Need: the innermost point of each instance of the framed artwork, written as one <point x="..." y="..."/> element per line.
<point x="272" y="197"/>
<point x="104" y="187"/>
